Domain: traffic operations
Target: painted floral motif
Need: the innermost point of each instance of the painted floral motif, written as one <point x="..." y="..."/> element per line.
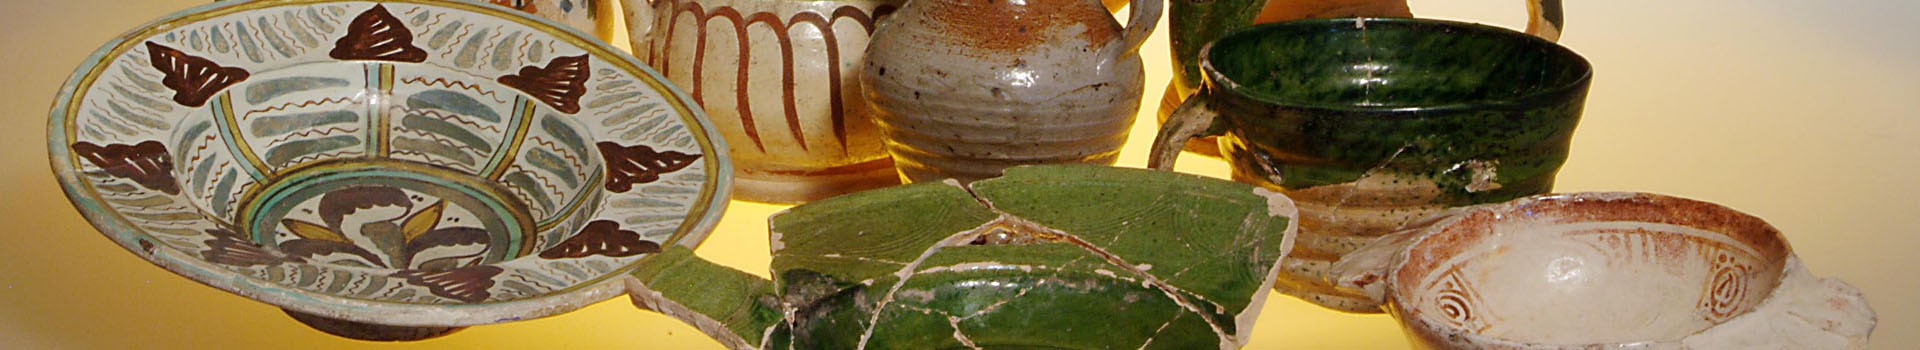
<point x="638" y="164"/>
<point x="601" y="237"/>
<point x="377" y="35"/>
<point x="382" y="227"/>
<point x="560" y="84"/>
<point x="230" y="248"/>
<point x="193" y="79"/>
<point x="146" y="163"/>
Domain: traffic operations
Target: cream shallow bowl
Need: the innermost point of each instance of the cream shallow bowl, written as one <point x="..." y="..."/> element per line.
<point x="385" y="169"/>
<point x="1591" y="270"/>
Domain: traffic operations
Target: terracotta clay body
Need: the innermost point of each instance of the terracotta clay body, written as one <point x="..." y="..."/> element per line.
<point x="964" y="88"/>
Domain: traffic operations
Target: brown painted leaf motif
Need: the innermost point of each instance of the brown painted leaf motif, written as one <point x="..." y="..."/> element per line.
<point x="228" y="248"/>
<point x="468" y="284"/>
<point x="146" y="163"/>
<point x="449" y="236"/>
<point x="193" y="79"/>
<point x="560" y="84"/>
<point x="313" y="248"/>
<point x="336" y="205"/>
<point x="377" y="35"/>
<point x="601" y="237"/>
<point x="638" y="164"/>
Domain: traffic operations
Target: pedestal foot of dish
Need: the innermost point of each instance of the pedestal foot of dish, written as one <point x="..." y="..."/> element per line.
<point x="369" y="331"/>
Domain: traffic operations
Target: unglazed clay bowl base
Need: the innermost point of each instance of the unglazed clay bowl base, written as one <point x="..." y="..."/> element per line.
<point x="385" y="170"/>
<point x="1604" y="269"/>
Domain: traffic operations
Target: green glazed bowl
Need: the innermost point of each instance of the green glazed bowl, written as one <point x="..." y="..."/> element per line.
<point x="1372" y="123"/>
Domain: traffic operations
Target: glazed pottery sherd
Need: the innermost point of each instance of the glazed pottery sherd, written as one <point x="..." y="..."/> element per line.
<point x="394" y="163"/>
<point x="1052" y="257"/>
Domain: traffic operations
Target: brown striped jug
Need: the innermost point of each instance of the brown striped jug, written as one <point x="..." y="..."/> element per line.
<point x="779" y="80"/>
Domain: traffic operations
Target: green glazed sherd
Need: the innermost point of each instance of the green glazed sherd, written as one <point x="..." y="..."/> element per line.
<point x="1043" y="257"/>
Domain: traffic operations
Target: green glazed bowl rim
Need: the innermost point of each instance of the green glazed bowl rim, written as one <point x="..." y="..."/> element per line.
<point x="1217" y="80"/>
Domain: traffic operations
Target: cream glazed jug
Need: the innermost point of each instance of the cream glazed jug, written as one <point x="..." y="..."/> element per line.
<point x="964" y="88"/>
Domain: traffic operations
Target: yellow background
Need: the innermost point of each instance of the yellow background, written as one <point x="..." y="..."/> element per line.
<point x="1800" y="112"/>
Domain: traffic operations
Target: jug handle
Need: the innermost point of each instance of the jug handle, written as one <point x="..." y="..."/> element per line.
<point x="1142" y="16"/>
<point x="1545" y="19"/>
<point x="1368" y="271"/>
<point x="639" y="15"/>
<point x="1192" y="119"/>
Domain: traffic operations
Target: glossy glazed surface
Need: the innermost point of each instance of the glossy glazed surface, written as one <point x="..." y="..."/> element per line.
<point x="958" y="95"/>
<point x="377" y="161"/>
<point x="1372" y="123"/>
<point x="1081" y="257"/>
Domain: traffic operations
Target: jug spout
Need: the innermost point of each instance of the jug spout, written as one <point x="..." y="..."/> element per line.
<point x="729" y="305"/>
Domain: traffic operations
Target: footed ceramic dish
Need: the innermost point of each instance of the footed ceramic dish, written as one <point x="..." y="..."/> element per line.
<point x="385" y="169"/>
<point x="1604" y="270"/>
<point x="1062" y="257"/>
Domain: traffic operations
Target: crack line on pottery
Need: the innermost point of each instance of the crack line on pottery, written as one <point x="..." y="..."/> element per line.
<point x="1157" y="331"/>
<point x="906" y="273"/>
<point x="1051" y="234"/>
<point x="1333" y="211"/>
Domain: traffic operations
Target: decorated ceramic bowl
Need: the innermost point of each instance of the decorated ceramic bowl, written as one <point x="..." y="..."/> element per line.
<point x="1043" y="257"/>
<point x="398" y="163"/>
<point x="1605" y="270"/>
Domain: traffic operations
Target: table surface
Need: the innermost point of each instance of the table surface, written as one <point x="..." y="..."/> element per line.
<point x="1800" y="112"/>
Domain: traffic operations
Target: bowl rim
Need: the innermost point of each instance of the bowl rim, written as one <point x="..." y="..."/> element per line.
<point x="1213" y="78"/>
<point x="710" y="204"/>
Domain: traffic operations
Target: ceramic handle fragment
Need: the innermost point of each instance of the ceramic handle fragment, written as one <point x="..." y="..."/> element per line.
<point x="1804" y="312"/>
<point x="639" y="15"/>
<point x="1192" y="119"/>
<point x="731" y="306"/>
<point x="1544" y="19"/>
<point x="1365" y="271"/>
<point x="1142" y="16"/>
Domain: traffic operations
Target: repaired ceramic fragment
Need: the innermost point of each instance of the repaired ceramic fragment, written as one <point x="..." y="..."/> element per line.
<point x="385" y="169"/>
<point x="1604" y="270"/>
<point x="1045" y="256"/>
